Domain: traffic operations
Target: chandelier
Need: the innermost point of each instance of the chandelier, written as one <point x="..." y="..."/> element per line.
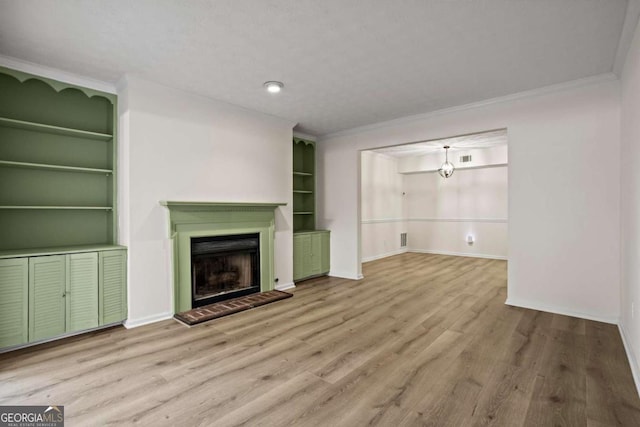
<point x="446" y="170"/>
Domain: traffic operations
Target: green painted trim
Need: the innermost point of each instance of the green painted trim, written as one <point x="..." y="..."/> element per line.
<point x="304" y="141"/>
<point x="295" y="233"/>
<point x="56" y="85"/>
<point x="114" y="177"/>
<point x="219" y="206"/>
<point x="200" y="219"/>
<point x="60" y="250"/>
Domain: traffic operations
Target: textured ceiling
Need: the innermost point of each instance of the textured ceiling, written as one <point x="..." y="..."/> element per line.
<point x="344" y="63"/>
<point x="466" y="142"/>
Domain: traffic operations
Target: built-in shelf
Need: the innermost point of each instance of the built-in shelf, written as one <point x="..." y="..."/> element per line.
<point x="303" y="191"/>
<point x="21" y="124"/>
<point x="302" y="173"/>
<point x="93" y="208"/>
<point x="44" y="166"/>
<point x="303" y="213"/>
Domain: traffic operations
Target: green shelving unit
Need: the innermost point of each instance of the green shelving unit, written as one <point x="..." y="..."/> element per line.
<point x="304" y="185"/>
<point x="57" y="164"/>
<point x="310" y="246"/>
<point x="61" y="271"/>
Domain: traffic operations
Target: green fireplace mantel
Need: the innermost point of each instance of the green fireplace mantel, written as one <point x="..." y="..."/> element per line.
<point x="189" y="220"/>
<point x="218" y="206"/>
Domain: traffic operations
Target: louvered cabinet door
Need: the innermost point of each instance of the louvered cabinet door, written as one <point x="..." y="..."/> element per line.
<point x="325" y="253"/>
<point x="306" y="256"/>
<point x="113" y="286"/>
<point x="82" y="291"/>
<point x="316" y="254"/>
<point x="46" y="296"/>
<point x="298" y="256"/>
<point x="14" y="301"/>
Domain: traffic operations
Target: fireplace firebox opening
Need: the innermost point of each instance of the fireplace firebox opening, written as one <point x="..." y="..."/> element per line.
<point x="224" y="267"/>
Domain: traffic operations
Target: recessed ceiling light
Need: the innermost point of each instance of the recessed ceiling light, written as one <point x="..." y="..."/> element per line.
<point x="273" y="87"/>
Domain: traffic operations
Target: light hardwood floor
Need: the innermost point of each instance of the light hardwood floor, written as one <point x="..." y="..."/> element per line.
<point x="422" y="340"/>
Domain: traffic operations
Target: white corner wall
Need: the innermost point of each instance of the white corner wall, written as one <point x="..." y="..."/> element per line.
<point x="382" y="204"/>
<point x="630" y="205"/>
<point x="564" y="201"/>
<point x="179" y="146"/>
<point x="441" y="213"/>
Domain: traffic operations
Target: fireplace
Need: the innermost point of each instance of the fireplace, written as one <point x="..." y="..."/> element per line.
<point x="224" y="267"/>
<point x="190" y="221"/>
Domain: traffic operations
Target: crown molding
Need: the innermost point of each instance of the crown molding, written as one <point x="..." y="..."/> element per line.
<point x="545" y="90"/>
<point x="56" y="74"/>
<point x="629" y="29"/>
<point x="305" y="136"/>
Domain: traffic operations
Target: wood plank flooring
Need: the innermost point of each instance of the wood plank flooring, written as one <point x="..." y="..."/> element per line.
<point x="422" y="340"/>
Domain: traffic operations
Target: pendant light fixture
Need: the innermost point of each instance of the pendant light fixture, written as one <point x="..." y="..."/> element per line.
<point x="446" y="170"/>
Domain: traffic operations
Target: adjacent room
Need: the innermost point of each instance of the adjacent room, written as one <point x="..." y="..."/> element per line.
<point x="409" y="203"/>
<point x="336" y="213"/>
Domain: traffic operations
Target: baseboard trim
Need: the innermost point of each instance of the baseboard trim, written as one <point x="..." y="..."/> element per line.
<point x="59" y="337"/>
<point x="134" y="323"/>
<point x="464" y="254"/>
<point x="560" y="310"/>
<point x="633" y="362"/>
<point x="285" y="286"/>
<point x="385" y="255"/>
<point x="340" y="275"/>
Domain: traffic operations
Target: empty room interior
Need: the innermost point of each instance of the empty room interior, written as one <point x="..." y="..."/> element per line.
<point x="336" y="213"/>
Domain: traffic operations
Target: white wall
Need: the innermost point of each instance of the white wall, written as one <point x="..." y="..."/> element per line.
<point x="382" y="204"/>
<point x="178" y="146"/>
<point x="442" y="212"/>
<point x="630" y="204"/>
<point x="497" y="155"/>
<point x="564" y="227"/>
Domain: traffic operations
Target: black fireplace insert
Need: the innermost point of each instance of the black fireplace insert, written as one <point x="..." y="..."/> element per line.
<point x="224" y="267"/>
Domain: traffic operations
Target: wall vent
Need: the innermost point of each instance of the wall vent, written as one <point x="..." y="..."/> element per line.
<point x="465" y="159"/>
<point x="403" y="240"/>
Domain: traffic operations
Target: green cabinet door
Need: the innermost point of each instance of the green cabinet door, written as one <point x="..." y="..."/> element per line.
<point x="14" y="302"/>
<point x="306" y="255"/>
<point x="113" y="286"/>
<point x="310" y="254"/>
<point x="298" y="264"/>
<point x="46" y="296"/>
<point x="325" y="254"/>
<point x="82" y="291"/>
<point x="315" y="258"/>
